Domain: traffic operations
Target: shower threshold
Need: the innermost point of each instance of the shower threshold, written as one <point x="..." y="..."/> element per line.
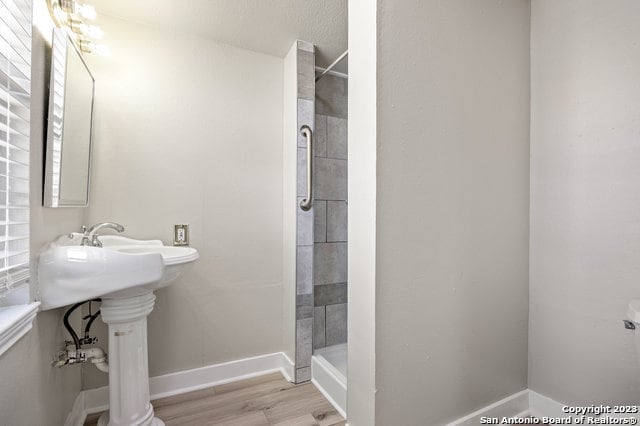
<point x="329" y="374"/>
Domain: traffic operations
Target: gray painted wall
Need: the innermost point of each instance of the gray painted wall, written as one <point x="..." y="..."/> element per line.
<point x="34" y="392"/>
<point x="452" y="207"/>
<point x="585" y="181"/>
<point x="190" y="131"/>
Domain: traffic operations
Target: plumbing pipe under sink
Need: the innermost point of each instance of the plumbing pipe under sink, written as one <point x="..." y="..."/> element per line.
<point x="98" y="358"/>
<point x="74" y="356"/>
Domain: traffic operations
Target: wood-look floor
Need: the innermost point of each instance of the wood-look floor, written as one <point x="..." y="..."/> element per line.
<point x="261" y="401"/>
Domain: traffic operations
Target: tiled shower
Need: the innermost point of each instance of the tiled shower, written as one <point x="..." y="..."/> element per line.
<point x="330" y="217"/>
<point x="321" y="254"/>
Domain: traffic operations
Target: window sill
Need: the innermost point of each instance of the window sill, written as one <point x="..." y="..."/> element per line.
<point x="15" y="322"/>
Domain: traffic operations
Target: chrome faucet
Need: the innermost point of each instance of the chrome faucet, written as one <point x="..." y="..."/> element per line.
<point x="90" y="236"/>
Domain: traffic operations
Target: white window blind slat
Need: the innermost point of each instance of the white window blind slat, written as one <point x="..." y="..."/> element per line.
<point x="18" y="155"/>
<point x="21" y="12"/>
<point x="12" y="47"/>
<point x="17" y="171"/>
<point x="17" y="86"/>
<point x="15" y="89"/>
<point x="18" y="141"/>
<point x="16" y="68"/>
<point x="16" y="134"/>
<point x="13" y="278"/>
<point x="16" y="110"/>
<point x="14" y="101"/>
<point x="18" y="124"/>
<point x="17" y="27"/>
<point x="14" y="81"/>
<point x="16" y="176"/>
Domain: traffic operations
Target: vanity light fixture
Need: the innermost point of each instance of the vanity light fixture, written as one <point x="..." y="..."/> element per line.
<point x="91" y="47"/>
<point x="74" y="16"/>
<point x="87" y="11"/>
<point x="86" y="30"/>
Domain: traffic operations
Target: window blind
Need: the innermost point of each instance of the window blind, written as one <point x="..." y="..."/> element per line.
<point x="15" y="94"/>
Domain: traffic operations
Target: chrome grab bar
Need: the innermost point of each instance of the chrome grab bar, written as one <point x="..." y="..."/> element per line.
<point x="306" y="203"/>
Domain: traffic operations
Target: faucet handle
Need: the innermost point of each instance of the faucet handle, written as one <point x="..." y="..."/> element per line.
<point x="95" y="242"/>
<point x="83" y="230"/>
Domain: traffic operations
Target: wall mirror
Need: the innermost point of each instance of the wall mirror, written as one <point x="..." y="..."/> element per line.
<point x="68" y="146"/>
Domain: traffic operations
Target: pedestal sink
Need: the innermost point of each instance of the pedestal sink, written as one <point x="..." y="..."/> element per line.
<point x="123" y="272"/>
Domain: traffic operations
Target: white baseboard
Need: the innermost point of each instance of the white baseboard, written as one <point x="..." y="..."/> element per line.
<point x="523" y="404"/>
<point x="542" y="406"/>
<point x="96" y="400"/>
<point x="78" y="414"/>
<point x="516" y="405"/>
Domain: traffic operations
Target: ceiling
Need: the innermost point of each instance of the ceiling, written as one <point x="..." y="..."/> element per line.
<point x="267" y="26"/>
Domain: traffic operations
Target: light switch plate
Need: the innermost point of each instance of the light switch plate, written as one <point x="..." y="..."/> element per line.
<point x="181" y="235"/>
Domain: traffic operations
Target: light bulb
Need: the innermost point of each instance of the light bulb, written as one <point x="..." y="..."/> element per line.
<point x="101" y="49"/>
<point x="68" y="6"/>
<point x="93" y="31"/>
<point x="91" y="47"/>
<point x="87" y="11"/>
<point x="86" y="30"/>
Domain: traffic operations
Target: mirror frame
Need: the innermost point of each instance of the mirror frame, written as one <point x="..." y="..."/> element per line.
<point x="61" y="42"/>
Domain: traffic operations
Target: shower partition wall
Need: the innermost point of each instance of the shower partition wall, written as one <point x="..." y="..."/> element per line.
<point x="320" y="232"/>
<point x="305" y="110"/>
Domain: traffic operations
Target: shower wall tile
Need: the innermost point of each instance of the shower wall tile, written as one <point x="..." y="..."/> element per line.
<point x="330" y="177"/>
<point x="303" y="374"/>
<point x="329" y="294"/>
<point x="306" y="116"/>
<point x="336" y="137"/>
<point x="306" y="80"/>
<point x="305" y="45"/>
<point x="304" y="305"/>
<point x="336" y="221"/>
<point x="304" y="226"/>
<point x="320" y="140"/>
<point x="304" y="344"/>
<point x="331" y="96"/>
<point x="336" y="324"/>
<point x="304" y="270"/>
<point x="320" y="221"/>
<point x="318" y="327"/>
<point x="330" y="263"/>
<point x="330" y="216"/>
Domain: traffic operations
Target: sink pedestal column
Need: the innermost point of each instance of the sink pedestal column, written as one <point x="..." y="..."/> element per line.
<point x="129" y="402"/>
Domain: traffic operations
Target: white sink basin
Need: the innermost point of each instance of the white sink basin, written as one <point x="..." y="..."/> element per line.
<point x="123" y="267"/>
<point x="123" y="272"/>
